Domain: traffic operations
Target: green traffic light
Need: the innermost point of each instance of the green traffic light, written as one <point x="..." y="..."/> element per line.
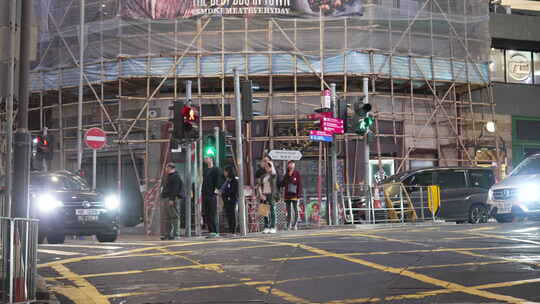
<point x="210" y="151"/>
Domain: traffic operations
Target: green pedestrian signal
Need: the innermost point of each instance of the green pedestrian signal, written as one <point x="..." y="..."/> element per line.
<point x="364" y="121"/>
<point x="210" y="148"/>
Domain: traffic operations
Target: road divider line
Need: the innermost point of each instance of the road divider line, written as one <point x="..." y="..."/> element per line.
<point x="388" y="239"/>
<point x="82" y="293"/>
<point x="59" y="252"/>
<point x="462" y="238"/>
<point x="213" y="267"/>
<point x="458" y="265"/>
<point x="407" y="273"/>
<point x="478" y="229"/>
<point x="404" y="252"/>
<point x="510" y="260"/>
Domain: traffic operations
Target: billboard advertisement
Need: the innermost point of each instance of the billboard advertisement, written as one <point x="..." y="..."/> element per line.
<point x="172" y="9"/>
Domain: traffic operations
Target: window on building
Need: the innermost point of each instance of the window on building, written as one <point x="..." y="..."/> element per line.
<point x="526" y="130"/>
<point x="496" y="66"/>
<point x="519" y="67"/>
<point x="536" y="65"/>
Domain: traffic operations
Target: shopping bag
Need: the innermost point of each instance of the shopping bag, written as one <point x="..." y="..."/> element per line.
<point x="263" y="209"/>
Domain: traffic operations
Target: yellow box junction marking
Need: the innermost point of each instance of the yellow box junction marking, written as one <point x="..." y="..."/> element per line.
<point x="82" y="293"/>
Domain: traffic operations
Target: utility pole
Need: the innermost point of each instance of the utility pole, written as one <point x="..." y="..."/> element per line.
<point x="22" y="142"/>
<point x="333" y="152"/>
<point x="240" y="155"/>
<point x="188" y="171"/>
<point x="81" y="83"/>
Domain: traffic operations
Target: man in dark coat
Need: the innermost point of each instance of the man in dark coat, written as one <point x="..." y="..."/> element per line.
<point x="212" y="181"/>
<point x="171" y="192"/>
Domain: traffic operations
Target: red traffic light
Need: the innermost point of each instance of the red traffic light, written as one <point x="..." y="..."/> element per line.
<point x="189" y="114"/>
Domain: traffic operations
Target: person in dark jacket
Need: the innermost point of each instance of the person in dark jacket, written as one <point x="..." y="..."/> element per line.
<point x="229" y="194"/>
<point x="292" y="191"/>
<point x="170" y="193"/>
<point x="210" y="188"/>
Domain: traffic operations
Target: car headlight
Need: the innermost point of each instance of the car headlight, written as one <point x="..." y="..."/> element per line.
<point x="47" y="202"/>
<point x="529" y="193"/>
<point x="112" y="202"/>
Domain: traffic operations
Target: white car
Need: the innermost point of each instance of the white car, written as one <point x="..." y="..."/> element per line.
<point x="519" y="193"/>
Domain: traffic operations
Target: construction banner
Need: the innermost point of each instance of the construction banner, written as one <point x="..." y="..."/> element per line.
<point x="172" y="9"/>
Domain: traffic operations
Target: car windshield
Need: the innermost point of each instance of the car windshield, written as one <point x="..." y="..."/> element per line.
<point x="59" y="182"/>
<point x="529" y="166"/>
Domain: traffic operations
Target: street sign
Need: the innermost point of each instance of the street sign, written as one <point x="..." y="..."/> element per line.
<point x="320" y="138"/>
<point x="332" y="125"/>
<point x="319" y="133"/>
<point x="320" y="115"/>
<point x="327" y="98"/>
<point x="332" y="120"/>
<point x="95" y="138"/>
<point x="285" y="155"/>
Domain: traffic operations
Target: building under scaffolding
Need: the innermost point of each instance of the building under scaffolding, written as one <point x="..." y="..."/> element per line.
<point x="424" y="59"/>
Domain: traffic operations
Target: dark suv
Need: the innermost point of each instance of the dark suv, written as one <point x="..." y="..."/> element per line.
<point x="65" y="205"/>
<point x="464" y="191"/>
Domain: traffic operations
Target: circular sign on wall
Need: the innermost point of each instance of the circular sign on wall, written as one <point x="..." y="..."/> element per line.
<point x="95" y="138"/>
<point x="519" y="67"/>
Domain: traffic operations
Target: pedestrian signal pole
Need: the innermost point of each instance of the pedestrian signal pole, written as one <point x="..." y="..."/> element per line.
<point x="187" y="185"/>
<point x="240" y="154"/>
<point x="333" y="153"/>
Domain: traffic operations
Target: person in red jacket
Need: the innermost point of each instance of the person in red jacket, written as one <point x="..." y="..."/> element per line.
<point x="292" y="188"/>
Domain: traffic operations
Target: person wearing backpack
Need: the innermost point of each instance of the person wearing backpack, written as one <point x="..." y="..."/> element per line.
<point x="170" y="193"/>
<point x="292" y="191"/>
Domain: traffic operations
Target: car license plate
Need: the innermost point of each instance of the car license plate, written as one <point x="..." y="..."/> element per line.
<point x="86" y="212"/>
<point x="504" y="208"/>
<point x="88" y="218"/>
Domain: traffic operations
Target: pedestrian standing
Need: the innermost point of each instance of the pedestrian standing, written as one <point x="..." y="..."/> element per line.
<point x="210" y="189"/>
<point x="170" y="193"/>
<point x="266" y="192"/>
<point x="292" y="191"/>
<point x="229" y="194"/>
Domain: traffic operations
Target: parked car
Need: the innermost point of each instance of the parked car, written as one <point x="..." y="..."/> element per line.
<point x="518" y="195"/>
<point x="464" y="191"/>
<point x="65" y="205"/>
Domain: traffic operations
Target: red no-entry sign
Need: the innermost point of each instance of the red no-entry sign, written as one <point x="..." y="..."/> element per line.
<point x="95" y="138"/>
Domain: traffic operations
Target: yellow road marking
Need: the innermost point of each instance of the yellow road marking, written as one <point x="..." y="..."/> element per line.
<point x="463" y="238"/>
<point x="478" y="229"/>
<point x="58" y="252"/>
<point x="431" y="293"/>
<point x="81" y="246"/>
<point x="506" y="238"/>
<point x="284" y="295"/>
<point x="404" y="252"/>
<point x="245" y="281"/>
<point x="406" y="273"/>
<point x="137" y="243"/>
<point x="213" y="267"/>
<point x="422" y="229"/>
<point x="387" y="239"/>
<point x="498" y="258"/>
<point x="458" y="265"/>
<point x="82" y="293"/>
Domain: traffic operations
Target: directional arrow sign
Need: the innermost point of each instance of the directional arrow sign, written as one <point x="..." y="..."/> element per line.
<point x="332" y="120"/>
<point x="320" y="115"/>
<point x="332" y="126"/>
<point x="319" y="133"/>
<point x="285" y="155"/>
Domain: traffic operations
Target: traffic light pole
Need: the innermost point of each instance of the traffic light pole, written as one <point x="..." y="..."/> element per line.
<point x="333" y="152"/>
<point x="22" y="142"/>
<point x="188" y="174"/>
<point x="365" y="158"/>
<point x="240" y="155"/>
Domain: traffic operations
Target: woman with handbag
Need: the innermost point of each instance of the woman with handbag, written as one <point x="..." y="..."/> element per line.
<point x="266" y="192"/>
<point x="292" y="184"/>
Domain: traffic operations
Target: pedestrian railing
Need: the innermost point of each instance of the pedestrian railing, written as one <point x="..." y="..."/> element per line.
<point x="18" y="258"/>
<point x="389" y="203"/>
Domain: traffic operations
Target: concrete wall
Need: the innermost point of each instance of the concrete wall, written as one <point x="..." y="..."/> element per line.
<point x="517" y="99"/>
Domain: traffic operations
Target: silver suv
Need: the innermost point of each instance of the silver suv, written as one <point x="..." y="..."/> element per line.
<point x="519" y="193"/>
